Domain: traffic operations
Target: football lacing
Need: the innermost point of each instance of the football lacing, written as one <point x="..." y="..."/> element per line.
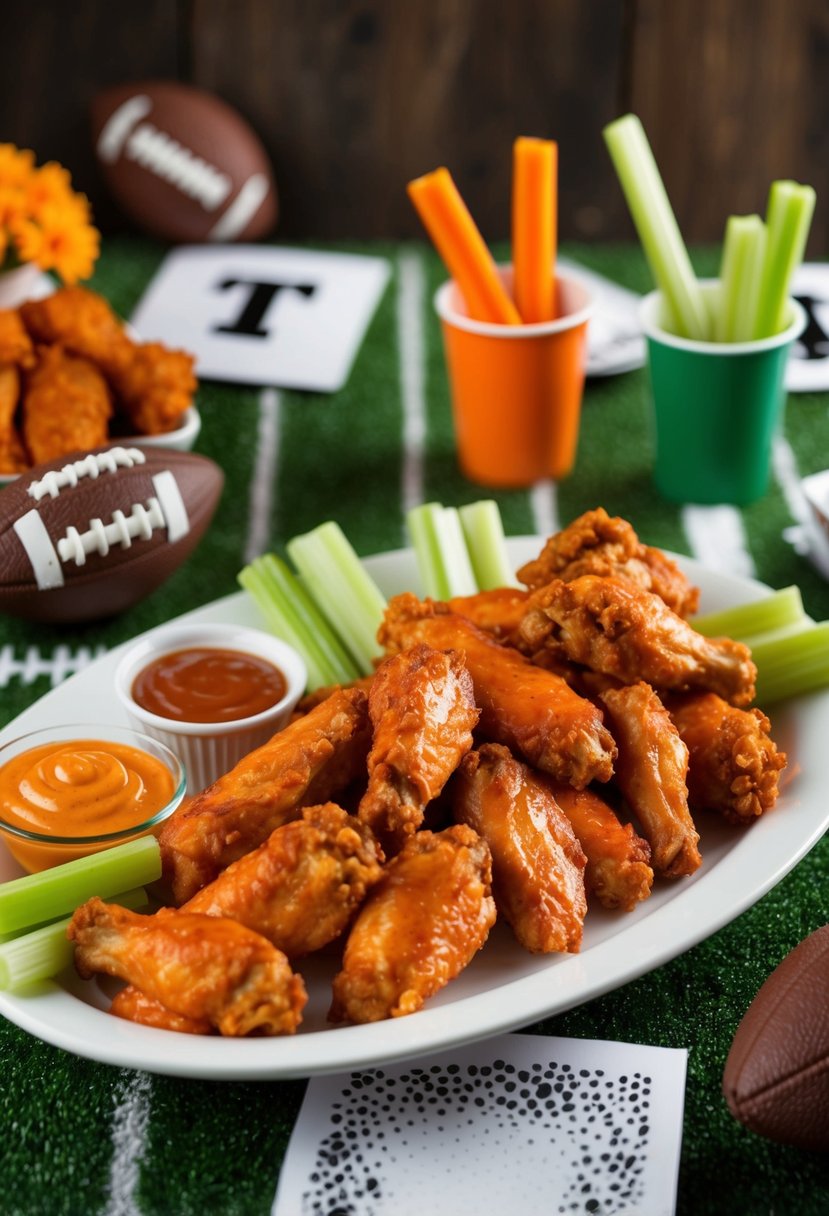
<point x="123" y="530"/>
<point x="91" y="466"/>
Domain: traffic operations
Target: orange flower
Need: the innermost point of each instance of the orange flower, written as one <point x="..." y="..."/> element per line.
<point x="16" y="166"/>
<point x="49" y="185"/>
<point x="61" y="240"/>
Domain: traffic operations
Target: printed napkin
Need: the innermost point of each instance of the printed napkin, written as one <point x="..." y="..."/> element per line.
<point x="516" y="1124"/>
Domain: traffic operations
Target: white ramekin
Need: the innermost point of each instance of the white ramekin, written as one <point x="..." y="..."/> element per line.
<point x="209" y="750"/>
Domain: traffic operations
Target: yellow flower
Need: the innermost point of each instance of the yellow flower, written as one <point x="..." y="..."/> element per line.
<point x="16" y="166"/>
<point x="60" y="240"/>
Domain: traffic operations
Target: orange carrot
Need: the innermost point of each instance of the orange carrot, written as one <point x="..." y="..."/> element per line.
<point x="534" y="215"/>
<point x="463" y="249"/>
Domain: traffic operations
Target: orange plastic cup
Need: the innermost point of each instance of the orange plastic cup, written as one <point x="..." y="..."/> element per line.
<point x="516" y="390"/>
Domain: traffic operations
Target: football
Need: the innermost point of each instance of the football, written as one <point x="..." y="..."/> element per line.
<point x="86" y="536"/>
<point x="182" y="164"/>
<point x="776" y="1078"/>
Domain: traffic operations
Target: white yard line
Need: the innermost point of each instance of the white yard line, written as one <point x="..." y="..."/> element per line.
<point x="129" y="1143"/>
<point x="718" y="539"/>
<point x="260" y="508"/>
<point x="411" y="290"/>
<point x="544" y="504"/>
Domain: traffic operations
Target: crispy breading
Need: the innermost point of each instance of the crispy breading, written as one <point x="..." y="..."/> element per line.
<point x="66" y="405"/>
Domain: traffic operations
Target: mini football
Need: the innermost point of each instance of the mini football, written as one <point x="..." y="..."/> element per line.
<point x="84" y="537"/>
<point x="182" y="164"/>
<point x="776" y="1078"/>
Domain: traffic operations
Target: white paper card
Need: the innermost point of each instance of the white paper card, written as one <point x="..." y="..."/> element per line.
<point x="516" y="1124"/>
<point x="615" y="341"/>
<point x="255" y="314"/>
<point x="808" y="367"/>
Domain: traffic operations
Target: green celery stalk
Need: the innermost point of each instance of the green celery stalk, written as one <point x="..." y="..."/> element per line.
<point x="45" y="951"/>
<point x="292" y="614"/>
<point x="483" y="531"/>
<point x="440" y="551"/>
<point x="773" y="612"/>
<point x="740" y="272"/>
<point x="656" y="224"/>
<point x="792" y="665"/>
<point x="36" y="898"/>
<point x="343" y="590"/>
<point x="788" y="219"/>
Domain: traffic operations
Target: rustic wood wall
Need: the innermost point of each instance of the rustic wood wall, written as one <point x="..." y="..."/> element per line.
<point x="354" y="97"/>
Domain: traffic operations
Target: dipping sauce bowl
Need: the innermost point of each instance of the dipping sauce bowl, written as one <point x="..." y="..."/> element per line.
<point x="211" y="693"/>
<point x="68" y="791"/>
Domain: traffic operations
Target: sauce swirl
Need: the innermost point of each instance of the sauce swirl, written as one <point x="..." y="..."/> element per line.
<point x="208" y="684"/>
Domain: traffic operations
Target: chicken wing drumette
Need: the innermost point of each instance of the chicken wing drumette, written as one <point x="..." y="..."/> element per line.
<point x="733" y="763"/>
<point x="422" y="708"/>
<point x="66" y="405"/>
<point x="597" y="543"/>
<point x="620" y="630"/>
<point x="203" y="968"/>
<point x="420" y="926"/>
<point x="532" y="711"/>
<point x="537" y="862"/>
<point x="82" y="322"/>
<point x="308" y="762"/>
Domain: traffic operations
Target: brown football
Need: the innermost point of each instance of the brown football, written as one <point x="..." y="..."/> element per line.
<point x="776" y="1078"/>
<point x="182" y="163"/>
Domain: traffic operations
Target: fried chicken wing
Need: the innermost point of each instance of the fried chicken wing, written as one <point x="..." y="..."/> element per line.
<point x="16" y="347"/>
<point x="420" y="926"/>
<point x="532" y="711"/>
<point x="651" y="772"/>
<point x="597" y="543"/>
<point x="12" y="453"/>
<point x="81" y="321"/>
<point x="422" y="708"/>
<point x="204" y="968"/>
<point x="537" y="862"/>
<point x="618" y="870"/>
<point x="622" y="631"/>
<point x="300" y="888"/>
<point x="155" y="386"/>
<point x="498" y="611"/>
<point x="733" y="763"/>
<point x="66" y="405"/>
<point x="133" y="1005"/>
<point x="307" y="763"/>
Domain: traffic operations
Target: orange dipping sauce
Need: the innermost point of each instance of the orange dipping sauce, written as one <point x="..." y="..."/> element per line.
<point x="76" y="790"/>
<point x="208" y="684"/>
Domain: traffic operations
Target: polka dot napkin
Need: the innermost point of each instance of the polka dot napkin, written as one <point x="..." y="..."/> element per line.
<point x="515" y="1124"/>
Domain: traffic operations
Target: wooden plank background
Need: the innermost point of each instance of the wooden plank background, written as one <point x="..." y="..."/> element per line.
<point x="354" y="97"/>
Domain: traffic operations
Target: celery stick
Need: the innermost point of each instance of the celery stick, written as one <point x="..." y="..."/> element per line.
<point x="440" y="550"/>
<point x="343" y="590"/>
<point x="45" y="951"/>
<point x="793" y="665"/>
<point x="657" y="227"/>
<point x="36" y="898"/>
<point x="740" y="271"/>
<point x="775" y="611"/>
<point x="292" y="614"/>
<point x="788" y="219"/>
<point x="483" y="531"/>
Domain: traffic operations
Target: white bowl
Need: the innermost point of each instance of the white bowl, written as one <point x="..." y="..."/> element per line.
<point x="209" y="750"/>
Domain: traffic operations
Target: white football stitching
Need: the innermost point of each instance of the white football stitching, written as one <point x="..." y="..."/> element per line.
<point x="138" y="525"/>
<point x="90" y="466"/>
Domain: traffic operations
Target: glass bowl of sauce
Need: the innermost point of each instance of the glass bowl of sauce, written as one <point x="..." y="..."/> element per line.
<point x="68" y="791"/>
<point x="211" y="692"/>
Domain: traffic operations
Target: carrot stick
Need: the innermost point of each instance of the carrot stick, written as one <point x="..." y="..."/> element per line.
<point x="534" y="224"/>
<point x="463" y="249"/>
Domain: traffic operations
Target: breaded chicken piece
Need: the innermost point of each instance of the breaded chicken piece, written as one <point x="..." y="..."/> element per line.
<point x="618" y="629"/>
<point x="13" y="457"/>
<point x="618" y="870"/>
<point x="422" y="709"/>
<point x="733" y="763"/>
<point x="499" y="611"/>
<point x="155" y="386"/>
<point x="420" y="926"/>
<point x="66" y="405"/>
<point x="205" y="968"/>
<point x="133" y="1005"/>
<point x="300" y="888"/>
<point x="532" y="711"/>
<point x="16" y="347"/>
<point x="537" y="862"/>
<point x="597" y="543"/>
<point x="83" y="323"/>
<point x="308" y="762"/>
<point x="651" y="772"/>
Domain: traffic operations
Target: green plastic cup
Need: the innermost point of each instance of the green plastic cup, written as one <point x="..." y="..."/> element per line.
<point x="716" y="407"/>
